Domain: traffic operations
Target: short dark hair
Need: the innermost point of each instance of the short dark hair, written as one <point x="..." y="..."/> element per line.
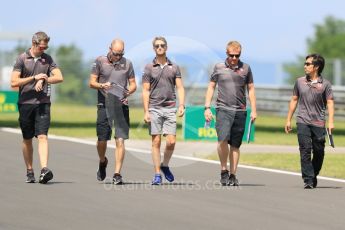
<point x="318" y="60"/>
<point x="40" y="36"/>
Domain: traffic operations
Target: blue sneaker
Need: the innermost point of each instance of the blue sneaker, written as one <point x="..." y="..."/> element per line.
<point x="167" y="173"/>
<point x="157" y="180"/>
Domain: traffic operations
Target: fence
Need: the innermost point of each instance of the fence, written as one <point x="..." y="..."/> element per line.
<point x="271" y="99"/>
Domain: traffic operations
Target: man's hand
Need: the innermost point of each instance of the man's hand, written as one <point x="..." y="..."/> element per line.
<point x="106" y="85"/>
<point x="288" y="127"/>
<point x="181" y="110"/>
<point x="41" y="76"/>
<point x="147" y="118"/>
<point x="208" y="114"/>
<point x="330" y="127"/>
<point x="39" y="85"/>
<point x="253" y="116"/>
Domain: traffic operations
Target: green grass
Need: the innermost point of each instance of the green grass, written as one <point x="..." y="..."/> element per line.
<point x="334" y="164"/>
<point x="80" y="121"/>
<point x="270" y="130"/>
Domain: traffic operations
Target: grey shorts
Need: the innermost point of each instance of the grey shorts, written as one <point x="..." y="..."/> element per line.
<point x="121" y="123"/>
<point x="163" y="121"/>
<point x="230" y="126"/>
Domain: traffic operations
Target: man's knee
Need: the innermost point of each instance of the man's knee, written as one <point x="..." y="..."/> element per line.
<point x="120" y="142"/>
<point x="156" y="141"/>
<point x="170" y="142"/>
<point x="42" y="137"/>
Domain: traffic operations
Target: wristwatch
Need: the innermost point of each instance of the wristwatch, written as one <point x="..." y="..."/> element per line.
<point x="207" y="107"/>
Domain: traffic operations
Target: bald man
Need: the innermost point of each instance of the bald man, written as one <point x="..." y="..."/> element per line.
<point x="110" y="74"/>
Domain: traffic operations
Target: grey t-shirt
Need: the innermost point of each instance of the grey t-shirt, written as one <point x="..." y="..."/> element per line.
<point x="232" y="83"/>
<point x="312" y="100"/>
<point x="118" y="73"/>
<point x="28" y="66"/>
<point x="162" y="81"/>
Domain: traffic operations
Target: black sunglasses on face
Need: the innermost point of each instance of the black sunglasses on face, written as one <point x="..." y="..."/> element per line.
<point x="308" y="63"/>
<point x="234" y="55"/>
<point x="42" y="47"/>
<point x="160" y="45"/>
<point x="117" y="54"/>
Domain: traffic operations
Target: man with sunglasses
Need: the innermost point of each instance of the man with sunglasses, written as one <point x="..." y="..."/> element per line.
<point x="233" y="77"/>
<point x="33" y="72"/>
<point x="109" y="73"/>
<point x="160" y="78"/>
<point x="313" y="94"/>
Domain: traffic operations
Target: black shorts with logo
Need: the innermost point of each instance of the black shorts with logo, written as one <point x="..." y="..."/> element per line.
<point x="121" y="123"/>
<point x="34" y="119"/>
<point x="230" y="126"/>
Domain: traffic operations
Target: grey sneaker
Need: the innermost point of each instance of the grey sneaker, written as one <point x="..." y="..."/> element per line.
<point x="224" y="177"/>
<point x="117" y="179"/>
<point x="233" y="180"/>
<point x="46" y="175"/>
<point x="30" y="176"/>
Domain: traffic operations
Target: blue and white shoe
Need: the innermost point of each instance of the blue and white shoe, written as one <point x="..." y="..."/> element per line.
<point x="157" y="180"/>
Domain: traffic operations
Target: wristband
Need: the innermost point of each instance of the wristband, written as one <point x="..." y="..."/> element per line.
<point x="207" y="107"/>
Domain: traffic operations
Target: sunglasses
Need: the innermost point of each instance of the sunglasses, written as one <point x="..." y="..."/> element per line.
<point x="308" y="63"/>
<point x="160" y="45"/>
<point x="117" y="54"/>
<point x="234" y="55"/>
<point x="43" y="47"/>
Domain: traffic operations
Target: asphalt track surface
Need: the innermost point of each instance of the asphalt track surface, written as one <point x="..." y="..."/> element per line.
<point x="74" y="199"/>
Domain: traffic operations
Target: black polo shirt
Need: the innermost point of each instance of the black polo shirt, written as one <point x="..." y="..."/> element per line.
<point x="29" y="66"/>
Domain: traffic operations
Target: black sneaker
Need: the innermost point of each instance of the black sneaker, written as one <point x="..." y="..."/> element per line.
<point x="30" y="176"/>
<point x="167" y="173"/>
<point x="224" y="177"/>
<point x="117" y="179"/>
<point x="101" y="173"/>
<point x="314" y="182"/>
<point x="308" y="186"/>
<point x="233" y="180"/>
<point x="46" y="175"/>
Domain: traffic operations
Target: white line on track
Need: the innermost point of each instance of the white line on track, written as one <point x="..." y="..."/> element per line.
<point x="81" y="141"/>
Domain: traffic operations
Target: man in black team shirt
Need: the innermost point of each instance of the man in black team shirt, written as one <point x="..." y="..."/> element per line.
<point x="313" y="94"/>
<point x="160" y="80"/>
<point x="112" y="75"/>
<point x="233" y="78"/>
<point x="33" y="72"/>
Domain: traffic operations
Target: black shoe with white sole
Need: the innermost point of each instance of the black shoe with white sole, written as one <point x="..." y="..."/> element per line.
<point x="46" y="175"/>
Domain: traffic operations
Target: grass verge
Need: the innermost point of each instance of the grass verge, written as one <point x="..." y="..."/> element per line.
<point x="333" y="166"/>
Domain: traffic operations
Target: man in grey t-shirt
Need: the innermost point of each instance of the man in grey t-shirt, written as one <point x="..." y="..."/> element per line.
<point x="33" y="72"/>
<point x="233" y="78"/>
<point x="113" y="77"/>
<point x="313" y="94"/>
<point x="160" y="78"/>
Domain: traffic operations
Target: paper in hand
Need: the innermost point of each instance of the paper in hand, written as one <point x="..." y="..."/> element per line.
<point x="330" y="138"/>
<point x="117" y="90"/>
<point x="249" y="130"/>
